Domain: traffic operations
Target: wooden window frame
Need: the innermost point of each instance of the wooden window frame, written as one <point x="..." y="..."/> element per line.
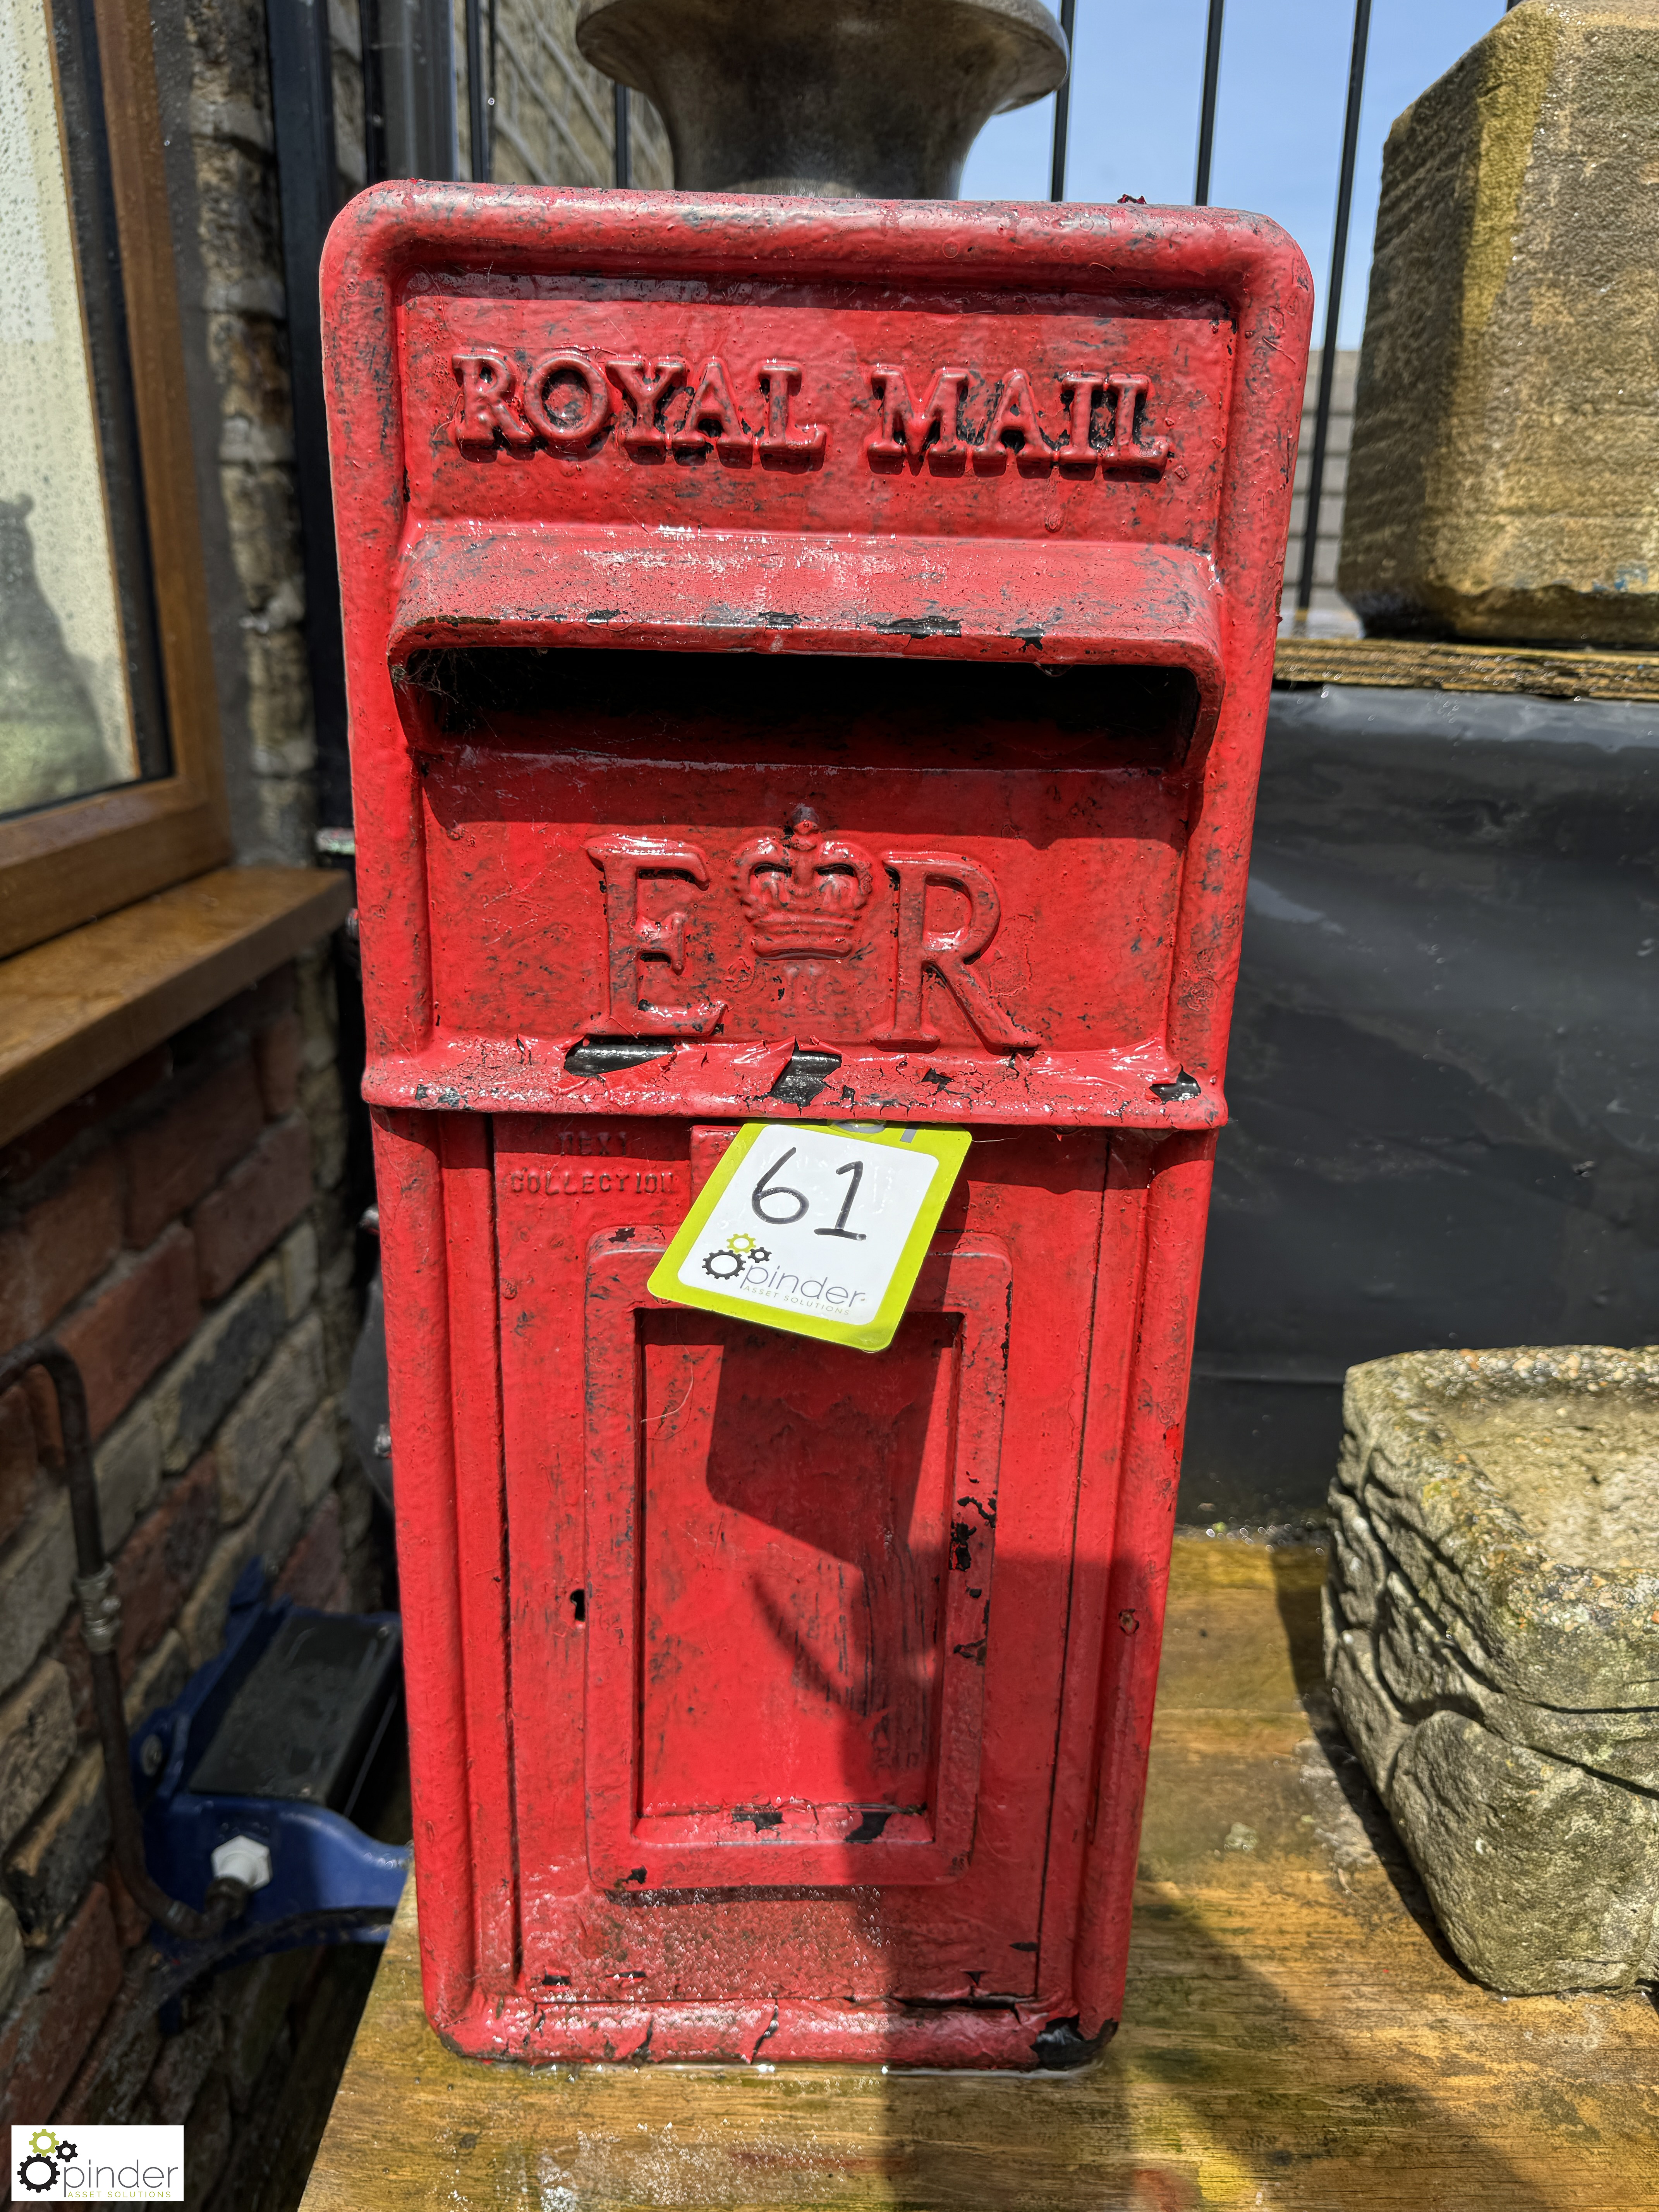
<point x="65" y="864"/>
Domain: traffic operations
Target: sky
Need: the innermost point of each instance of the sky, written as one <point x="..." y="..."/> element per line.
<point x="1137" y="77"/>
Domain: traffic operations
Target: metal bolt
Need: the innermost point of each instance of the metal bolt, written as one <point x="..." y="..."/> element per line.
<point x="152" y="1755"/>
<point x="383" y="1442"/>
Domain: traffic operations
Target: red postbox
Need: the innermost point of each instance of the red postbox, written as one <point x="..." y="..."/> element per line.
<point x="808" y="661"/>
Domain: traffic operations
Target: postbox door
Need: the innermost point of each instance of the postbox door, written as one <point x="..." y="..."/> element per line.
<point x="790" y="1551"/>
<point x="811" y="1606"/>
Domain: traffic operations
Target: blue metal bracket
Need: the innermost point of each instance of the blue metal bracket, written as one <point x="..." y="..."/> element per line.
<point x="320" y="1861"/>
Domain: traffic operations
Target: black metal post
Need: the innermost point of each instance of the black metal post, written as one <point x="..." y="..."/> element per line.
<point x="1063" y="102"/>
<point x="1207" y="108"/>
<point x="478" y="102"/>
<point x="303" y="101"/>
<point x="410" y="89"/>
<point x="368" y="40"/>
<point x="1315" y="490"/>
<point x="624" y="162"/>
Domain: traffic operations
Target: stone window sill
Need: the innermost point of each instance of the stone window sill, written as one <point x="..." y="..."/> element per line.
<point x="74" y="1010"/>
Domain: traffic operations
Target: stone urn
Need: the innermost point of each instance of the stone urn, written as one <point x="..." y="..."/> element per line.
<point x="1491" y="1635"/>
<point x="844" y="99"/>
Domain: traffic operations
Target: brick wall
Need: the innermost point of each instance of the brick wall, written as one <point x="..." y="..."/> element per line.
<point x="555" y="127"/>
<point x="240" y="322"/>
<point x="184" y="1232"/>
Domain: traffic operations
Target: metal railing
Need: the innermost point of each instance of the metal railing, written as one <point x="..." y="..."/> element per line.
<point x="1206" y="114"/>
<point x="1359" y="44"/>
<point x="426" y="77"/>
<point x="1304" y="582"/>
<point x="413" y="103"/>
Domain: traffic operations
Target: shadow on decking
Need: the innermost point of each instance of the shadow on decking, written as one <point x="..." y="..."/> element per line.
<point x="1298" y="1610"/>
<point x="1220" y="2065"/>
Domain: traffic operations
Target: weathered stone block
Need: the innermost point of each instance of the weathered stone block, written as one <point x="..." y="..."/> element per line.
<point x="1506" y="422"/>
<point x="1543" y="1873"/>
<point x="1492" y="1637"/>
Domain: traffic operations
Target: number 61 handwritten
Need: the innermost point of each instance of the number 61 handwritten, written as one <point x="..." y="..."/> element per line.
<point x="766" y="1193"/>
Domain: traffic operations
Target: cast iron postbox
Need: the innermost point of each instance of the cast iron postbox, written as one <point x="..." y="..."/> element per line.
<point x="808" y="661"/>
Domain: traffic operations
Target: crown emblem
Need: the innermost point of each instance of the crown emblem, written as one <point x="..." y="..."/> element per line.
<point x="802" y="893"/>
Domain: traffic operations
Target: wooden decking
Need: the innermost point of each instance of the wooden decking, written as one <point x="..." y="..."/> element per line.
<point x="1296" y="2034"/>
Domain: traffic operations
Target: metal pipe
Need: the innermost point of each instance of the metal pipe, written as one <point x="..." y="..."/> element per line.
<point x="1304" y="589"/>
<point x="101" y="1621"/>
<point x="624" y="166"/>
<point x="477" y="94"/>
<point x="1063" y="102"/>
<point x="1207" y="107"/>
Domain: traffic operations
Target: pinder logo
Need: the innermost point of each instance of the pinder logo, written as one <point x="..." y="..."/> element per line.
<point x="38" y="2169"/>
<point x="98" y="2165"/>
<point x="734" y="1258"/>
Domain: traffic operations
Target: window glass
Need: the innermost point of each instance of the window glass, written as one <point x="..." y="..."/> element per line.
<point x="66" y="726"/>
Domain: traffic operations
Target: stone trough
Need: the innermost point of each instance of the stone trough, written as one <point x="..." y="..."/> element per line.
<point x="1492" y="1637"/>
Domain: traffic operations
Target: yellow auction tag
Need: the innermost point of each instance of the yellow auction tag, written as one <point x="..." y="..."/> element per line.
<point x="820" y="1228"/>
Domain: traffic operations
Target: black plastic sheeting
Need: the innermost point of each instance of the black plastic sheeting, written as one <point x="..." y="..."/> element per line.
<point x="1445" y="1121"/>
